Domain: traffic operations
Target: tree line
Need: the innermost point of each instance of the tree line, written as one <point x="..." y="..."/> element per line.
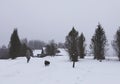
<point x="18" y="48"/>
<point x="74" y="44"/>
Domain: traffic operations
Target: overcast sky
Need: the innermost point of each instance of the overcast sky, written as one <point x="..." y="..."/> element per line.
<point x="53" y="19"/>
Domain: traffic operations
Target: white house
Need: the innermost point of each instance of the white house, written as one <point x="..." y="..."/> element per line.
<point x="36" y="53"/>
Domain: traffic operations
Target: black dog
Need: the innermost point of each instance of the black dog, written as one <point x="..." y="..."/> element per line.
<point x="47" y="63"/>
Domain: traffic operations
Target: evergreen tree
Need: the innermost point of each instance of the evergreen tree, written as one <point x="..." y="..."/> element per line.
<point x="15" y="45"/>
<point x="71" y="45"/>
<point x="81" y="46"/>
<point x="48" y="49"/>
<point x="51" y="48"/>
<point x="116" y="43"/>
<point x="23" y="49"/>
<point x="98" y="43"/>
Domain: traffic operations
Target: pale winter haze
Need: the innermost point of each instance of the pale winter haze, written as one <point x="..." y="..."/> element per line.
<point x="53" y="19"/>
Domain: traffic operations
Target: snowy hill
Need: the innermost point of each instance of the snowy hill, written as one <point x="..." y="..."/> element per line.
<point x="60" y="71"/>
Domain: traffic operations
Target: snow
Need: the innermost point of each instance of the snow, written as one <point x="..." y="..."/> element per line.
<point x="60" y="71"/>
<point x="36" y="52"/>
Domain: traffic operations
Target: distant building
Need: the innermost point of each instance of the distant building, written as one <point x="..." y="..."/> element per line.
<point x="37" y="53"/>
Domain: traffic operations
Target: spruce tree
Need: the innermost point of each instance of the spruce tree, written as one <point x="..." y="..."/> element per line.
<point x="51" y="48"/>
<point x="23" y="49"/>
<point x="15" y="45"/>
<point x="71" y="44"/>
<point x="98" y="43"/>
<point x="116" y="43"/>
<point x="81" y="46"/>
<point x="48" y="49"/>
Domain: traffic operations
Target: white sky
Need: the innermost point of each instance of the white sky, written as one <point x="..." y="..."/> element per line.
<point x="53" y="19"/>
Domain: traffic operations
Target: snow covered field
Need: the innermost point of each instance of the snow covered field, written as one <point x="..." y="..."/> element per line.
<point x="60" y="71"/>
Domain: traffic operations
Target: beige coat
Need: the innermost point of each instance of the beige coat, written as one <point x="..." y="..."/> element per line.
<point x="28" y="55"/>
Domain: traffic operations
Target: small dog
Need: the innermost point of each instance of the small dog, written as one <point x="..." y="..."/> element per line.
<point x="47" y="63"/>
